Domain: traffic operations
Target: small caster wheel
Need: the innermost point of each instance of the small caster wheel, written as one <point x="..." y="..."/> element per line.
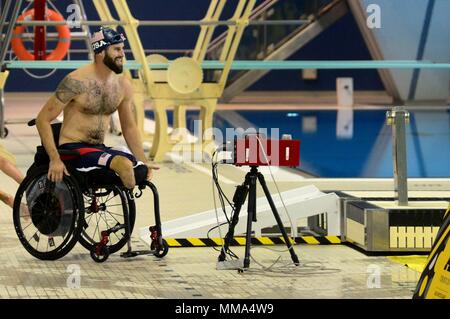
<point x="240" y="271"/>
<point x="160" y="251"/>
<point x="102" y="257"/>
<point x="5" y="132"/>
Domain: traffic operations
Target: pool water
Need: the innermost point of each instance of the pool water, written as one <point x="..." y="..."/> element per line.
<point x="350" y="145"/>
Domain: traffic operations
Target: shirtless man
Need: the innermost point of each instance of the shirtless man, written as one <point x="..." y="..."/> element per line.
<point x="88" y="96"/>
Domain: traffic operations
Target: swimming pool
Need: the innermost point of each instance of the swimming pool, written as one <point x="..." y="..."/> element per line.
<point x="355" y="146"/>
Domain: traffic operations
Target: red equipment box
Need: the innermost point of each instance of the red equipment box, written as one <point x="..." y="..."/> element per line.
<point x="256" y="150"/>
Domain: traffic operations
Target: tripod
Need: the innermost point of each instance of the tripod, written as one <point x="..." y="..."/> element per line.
<point x="249" y="187"/>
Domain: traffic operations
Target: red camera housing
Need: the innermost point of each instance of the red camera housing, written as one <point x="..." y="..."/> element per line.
<point x="255" y="150"/>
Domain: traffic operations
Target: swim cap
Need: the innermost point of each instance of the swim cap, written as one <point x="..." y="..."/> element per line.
<point x="104" y="38"/>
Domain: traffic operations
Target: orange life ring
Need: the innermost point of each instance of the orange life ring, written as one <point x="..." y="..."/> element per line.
<point x="63" y="37"/>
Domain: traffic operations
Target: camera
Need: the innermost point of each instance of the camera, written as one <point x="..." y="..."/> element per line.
<point x="257" y="150"/>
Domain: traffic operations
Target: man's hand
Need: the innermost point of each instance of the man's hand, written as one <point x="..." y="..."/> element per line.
<point x="56" y="170"/>
<point x="151" y="167"/>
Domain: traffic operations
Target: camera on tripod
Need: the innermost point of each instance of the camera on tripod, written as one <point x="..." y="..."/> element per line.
<point x="257" y="150"/>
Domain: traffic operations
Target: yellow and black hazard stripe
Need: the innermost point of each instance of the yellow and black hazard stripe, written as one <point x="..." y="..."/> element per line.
<point x="258" y="241"/>
<point x="447" y="211"/>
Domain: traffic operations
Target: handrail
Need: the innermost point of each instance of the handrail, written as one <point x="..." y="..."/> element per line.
<point x="255" y="14"/>
<point x="247" y="65"/>
<point x="158" y="23"/>
<point x="218" y="40"/>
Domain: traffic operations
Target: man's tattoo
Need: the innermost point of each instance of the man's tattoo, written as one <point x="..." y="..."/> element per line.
<point x="68" y="89"/>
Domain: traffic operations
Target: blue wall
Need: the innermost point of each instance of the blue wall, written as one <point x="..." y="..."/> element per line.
<point x="416" y="30"/>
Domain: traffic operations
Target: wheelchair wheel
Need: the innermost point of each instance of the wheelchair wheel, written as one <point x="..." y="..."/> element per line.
<point x="104" y="209"/>
<point x="48" y="216"/>
<point x="160" y="250"/>
<point x="99" y="258"/>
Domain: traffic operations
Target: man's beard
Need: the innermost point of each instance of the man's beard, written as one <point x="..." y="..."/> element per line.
<point x="110" y="63"/>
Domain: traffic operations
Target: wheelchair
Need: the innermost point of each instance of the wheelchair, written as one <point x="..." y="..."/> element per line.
<point x="93" y="208"/>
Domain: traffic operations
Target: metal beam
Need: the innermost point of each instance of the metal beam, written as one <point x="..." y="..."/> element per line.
<point x="257" y="12"/>
<point x="3" y="16"/>
<point x="86" y="33"/>
<point x="164" y="23"/>
<point x="2" y="114"/>
<point x="299" y="40"/>
<point x="246" y="65"/>
<point x="51" y="36"/>
<point x="3" y="50"/>
<point x="7" y="39"/>
<point x="207" y="30"/>
<point x="234" y="36"/>
<point x="398" y="117"/>
<point x="359" y="14"/>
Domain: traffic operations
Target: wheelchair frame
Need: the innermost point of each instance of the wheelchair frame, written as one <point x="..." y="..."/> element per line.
<point x="77" y="184"/>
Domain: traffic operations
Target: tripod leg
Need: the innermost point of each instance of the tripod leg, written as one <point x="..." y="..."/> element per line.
<point x="251" y="213"/>
<point x="239" y="198"/>
<point x="278" y="219"/>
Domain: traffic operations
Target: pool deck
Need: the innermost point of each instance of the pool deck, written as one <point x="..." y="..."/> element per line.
<point x="326" y="271"/>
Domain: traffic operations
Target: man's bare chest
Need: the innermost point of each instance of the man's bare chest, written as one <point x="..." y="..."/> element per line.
<point x="99" y="99"/>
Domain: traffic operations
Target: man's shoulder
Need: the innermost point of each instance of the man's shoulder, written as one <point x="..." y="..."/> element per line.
<point x="76" y="76"/>
<point x="125" y="83"/>
<point x="122" y="79"/>
<point x="79" y="78"/>
<point x="81" y="73"/>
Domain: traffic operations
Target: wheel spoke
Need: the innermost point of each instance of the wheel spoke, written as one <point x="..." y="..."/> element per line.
<point x="89" y="217"/>
<point x="111" y="202"/>
<point x="108" y="198"/>
<point x="31" y="223"/>
<point x="111" y="213"/>
<point x="35" y="234"/>
<point x="108" y="227"/>
<point x="113" y="205"/>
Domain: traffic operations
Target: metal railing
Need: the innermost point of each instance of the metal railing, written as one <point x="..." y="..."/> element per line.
<point x="267" y="32"/>
<point x="248" y="65"/>
<point x="3" y="49"/>
<point x="264" y="38"/>
<point x="160" y="23"/>
<point x="398" y="118"/>
<point x="257" y="12"/>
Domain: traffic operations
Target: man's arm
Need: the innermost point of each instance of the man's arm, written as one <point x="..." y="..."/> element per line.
<point x="130" y="130"/>
<point x="48" y="113"/>
<point x="66" y="91"/>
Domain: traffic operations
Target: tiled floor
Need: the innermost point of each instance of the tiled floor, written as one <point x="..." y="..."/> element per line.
<point x="325" y="272"/>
